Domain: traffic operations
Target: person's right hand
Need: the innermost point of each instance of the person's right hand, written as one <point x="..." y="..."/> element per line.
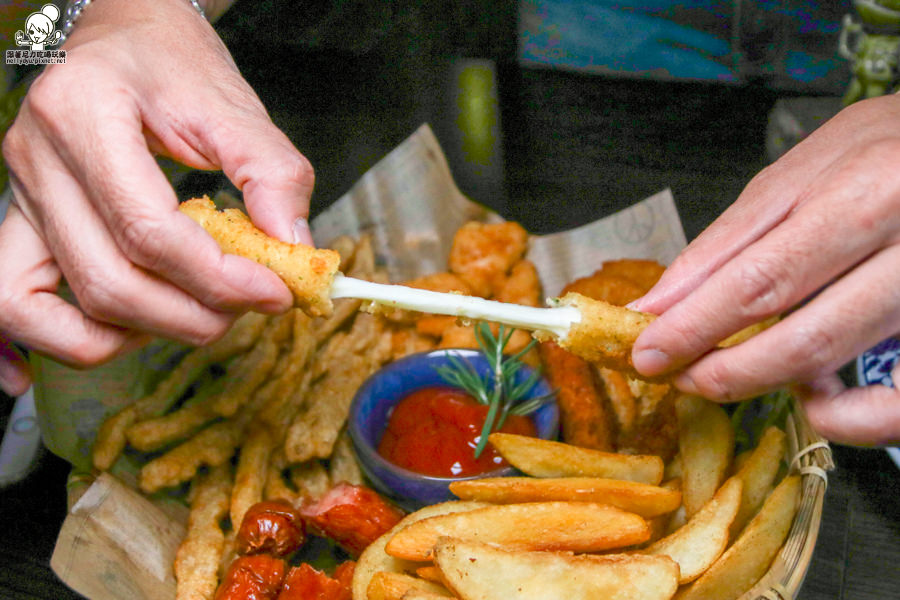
<point x="142" y="77"/>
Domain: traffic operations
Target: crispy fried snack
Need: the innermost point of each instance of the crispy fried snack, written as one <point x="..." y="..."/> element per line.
<point x="197" y="560"/>
<point x="584" y="417"/>
<point x="308" y="272"/>
<point x="482" y="254"/>
<point x="241" y="379"/>
<point x="111" y="436"/>
<point x="345" y="363"/>
<point x="604" y="335"/>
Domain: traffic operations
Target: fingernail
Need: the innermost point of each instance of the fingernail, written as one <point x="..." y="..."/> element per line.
<point x="686" y="384"/>
<point x="651" y="362"/>
<point x="301" y="232"/>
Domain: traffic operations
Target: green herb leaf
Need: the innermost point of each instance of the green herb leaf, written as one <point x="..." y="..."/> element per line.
<point x="498" y="390"/>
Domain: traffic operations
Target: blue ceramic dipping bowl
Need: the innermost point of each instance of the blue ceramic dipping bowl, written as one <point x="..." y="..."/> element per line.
<point x="375" y="400"/>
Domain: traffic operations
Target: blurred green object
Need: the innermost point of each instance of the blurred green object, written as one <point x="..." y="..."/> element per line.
<point x="873" y="45"/>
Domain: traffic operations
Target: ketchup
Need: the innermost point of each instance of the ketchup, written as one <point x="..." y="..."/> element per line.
<point x="434" y="431"/>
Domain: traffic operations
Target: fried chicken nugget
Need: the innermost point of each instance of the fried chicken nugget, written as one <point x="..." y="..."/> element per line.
<point x="482" y="254"/>
<point x="308" y="272"/>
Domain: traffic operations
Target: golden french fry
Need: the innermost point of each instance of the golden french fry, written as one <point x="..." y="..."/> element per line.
<point x="475" y="571"/>
<point x="660" y="523"/>
<point x="639" y="498"/>
<point x="545" y="458"/>
<point x="111" y="436"/>
<point x="310" y="479"/>
<point x="750" y="555"/>
<point x="415" y="594"/>
<point x="572" y="526"/>
<point x="697" y="544"/>
<point x="211" y="447"/>
<point x="356" y="355"/>
<point x="155" y="433"/>
<point x="276" y="487"/>
<point x="307" y="272"/>
<point x="251" y="370"/>
<point x="430" y="573"/>
<point x="342" y="465"/>
<point x="748" y="332"/>
<point x="673" y="468"/>
<point x="386" y="585"/>
<point x="758" y="473"/>
<point x="374" y="559"/>
<point x="250" y="474"/>
<point x="706" y="444"/>
<point x="242" y="377"/>
<point x="197" y="559"/>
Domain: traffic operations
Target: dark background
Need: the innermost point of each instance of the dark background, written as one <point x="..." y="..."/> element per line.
<point x="348" y="85"/>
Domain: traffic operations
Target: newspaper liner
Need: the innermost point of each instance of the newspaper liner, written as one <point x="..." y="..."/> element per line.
<point x="116" y="543"/>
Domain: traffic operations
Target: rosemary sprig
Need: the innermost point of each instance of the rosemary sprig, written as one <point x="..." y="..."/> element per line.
<point x="498" y="389"/>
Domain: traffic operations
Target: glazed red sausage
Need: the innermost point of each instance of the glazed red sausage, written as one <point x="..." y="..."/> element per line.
<point x="256" y="577"/>
<point x="306" y="583"/>
<point x="354" y="516"/>
<point x="271" y="527"/>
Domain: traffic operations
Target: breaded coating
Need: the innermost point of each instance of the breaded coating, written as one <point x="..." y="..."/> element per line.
<point x="605" y="334"/>
<point x="482" y="254"/>
<point x="308" y="272"/>
<point x="523" y="286"/>
<point x="585" y="418"/>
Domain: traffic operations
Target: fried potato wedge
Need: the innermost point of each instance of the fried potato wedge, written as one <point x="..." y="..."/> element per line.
<point x="706" y="443"/>
<point x="386" y="585"/>
<point x="749" y="557"/>
<point x="546" y="458"/>
<point x="479" y="571"/>
<point x="639" y="498"/>
<point x="569" y="526"/>
<point x="374" y="559"/>
<point x="697" y="544"/>
<point x="758" y="473"/>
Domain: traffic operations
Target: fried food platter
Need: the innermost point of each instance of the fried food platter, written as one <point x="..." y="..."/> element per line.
<point x="265" y="386"/>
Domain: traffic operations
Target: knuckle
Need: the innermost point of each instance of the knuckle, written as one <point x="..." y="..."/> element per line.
<point x="813" y="349"/>
<point x="763" y="287"/>
<point x="712" y="383"/>
<point x="140" y="240"/>
<point x="96" y="296"/>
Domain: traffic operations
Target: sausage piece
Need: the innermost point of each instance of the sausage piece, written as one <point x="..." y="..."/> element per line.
<point x="271" y="527"/>
<point x="306" y="583"/>
<point x="256" y="577"/>
<point x="354" y="516"/>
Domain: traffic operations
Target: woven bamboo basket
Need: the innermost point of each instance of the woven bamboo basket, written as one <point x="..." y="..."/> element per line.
<point x="808" y="455"/>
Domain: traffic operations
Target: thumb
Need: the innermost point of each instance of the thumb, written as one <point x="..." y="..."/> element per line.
<point x="276" y="180"/>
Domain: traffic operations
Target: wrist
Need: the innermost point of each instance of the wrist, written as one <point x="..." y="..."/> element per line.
<point x="75" y="10"/>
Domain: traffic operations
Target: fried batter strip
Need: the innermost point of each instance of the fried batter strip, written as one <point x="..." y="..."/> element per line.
<point x="308" y="272"/>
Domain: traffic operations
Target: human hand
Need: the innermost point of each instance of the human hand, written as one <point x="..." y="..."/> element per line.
<point x="142" y="77"/>
<point x="816" y="235"/>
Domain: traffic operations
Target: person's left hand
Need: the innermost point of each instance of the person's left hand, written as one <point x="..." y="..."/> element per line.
<point x="817" y="236"/>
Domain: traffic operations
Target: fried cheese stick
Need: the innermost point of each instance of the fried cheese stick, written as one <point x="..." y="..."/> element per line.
<point x="597" y="331"/>
<point x="306" y="271"/>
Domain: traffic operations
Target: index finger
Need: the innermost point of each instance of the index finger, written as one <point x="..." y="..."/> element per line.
<point x="139" y="207"/>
